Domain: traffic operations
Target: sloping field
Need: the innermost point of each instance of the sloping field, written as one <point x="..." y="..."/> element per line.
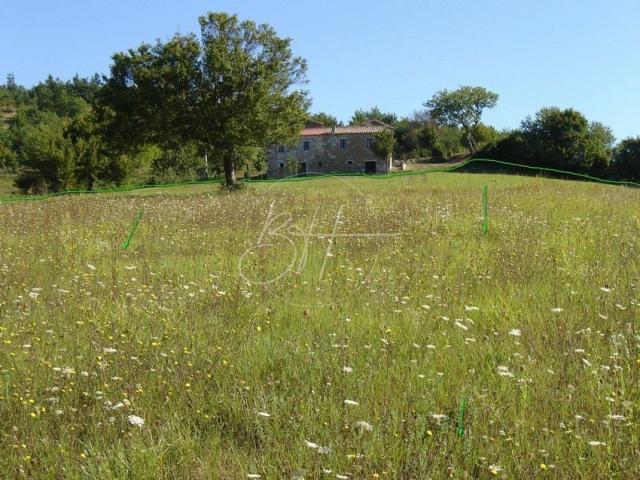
<point x="331" y="328"/>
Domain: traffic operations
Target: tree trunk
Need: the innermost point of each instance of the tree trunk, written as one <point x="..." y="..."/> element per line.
<point x="473" y="146"/>
<point x="229" y="170"/>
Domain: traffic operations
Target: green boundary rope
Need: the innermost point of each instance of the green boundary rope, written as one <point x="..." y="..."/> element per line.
<point x="15" y="198"/>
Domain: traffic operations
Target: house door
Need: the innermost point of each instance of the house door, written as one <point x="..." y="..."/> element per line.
<point x="302" y="168"/>
<point x="370" y="168"/>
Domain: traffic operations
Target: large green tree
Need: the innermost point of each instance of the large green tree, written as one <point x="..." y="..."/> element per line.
<point x="566" y="139"/>
<point x="234" y="88"/>
<point x="627" y="158"/>
<point x="462" y="108"/>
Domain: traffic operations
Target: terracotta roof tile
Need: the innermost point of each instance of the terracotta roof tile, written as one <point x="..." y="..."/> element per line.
<point x="371" y="126"/>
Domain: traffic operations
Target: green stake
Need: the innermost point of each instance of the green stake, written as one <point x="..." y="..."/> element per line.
<point x="485" y="209"/>
<point x="136" y="221"/>
<point x="463" y="406"/>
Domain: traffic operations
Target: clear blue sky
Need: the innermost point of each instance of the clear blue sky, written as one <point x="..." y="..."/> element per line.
<point x="583" y="54"/>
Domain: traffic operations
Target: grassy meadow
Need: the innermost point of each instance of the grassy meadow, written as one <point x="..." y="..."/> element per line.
<point x="323" y="329"/>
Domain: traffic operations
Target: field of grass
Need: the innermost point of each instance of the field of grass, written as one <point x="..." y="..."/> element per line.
<point x="323" y="329"/>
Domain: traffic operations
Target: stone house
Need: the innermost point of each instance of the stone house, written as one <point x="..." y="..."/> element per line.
<point x="323" y="149"/>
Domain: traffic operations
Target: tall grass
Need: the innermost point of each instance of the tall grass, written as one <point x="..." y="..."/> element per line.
<point x="535" y="324"/>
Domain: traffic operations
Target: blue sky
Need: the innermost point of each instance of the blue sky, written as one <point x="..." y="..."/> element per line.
<point x="583" y="54"/>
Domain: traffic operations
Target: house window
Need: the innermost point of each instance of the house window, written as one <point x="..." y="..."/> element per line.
<point x="343" y="144"/>
<point x="306" y="146"/>
<point x="319" y="164"/>
<point x="281" y="148"/>
<point x="369" y="143"/>
<point x="281" y="165"/>
<point x="349" y="162"/>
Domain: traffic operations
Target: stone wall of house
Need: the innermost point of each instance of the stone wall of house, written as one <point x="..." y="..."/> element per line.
<point x="325" y="155"/>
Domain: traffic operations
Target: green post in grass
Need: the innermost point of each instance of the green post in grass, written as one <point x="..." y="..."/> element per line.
<point x="485" y="209"/>
<point x="463" y="406"/>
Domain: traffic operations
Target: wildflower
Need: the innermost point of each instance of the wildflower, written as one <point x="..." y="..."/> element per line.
<point x="350" y="402"/>
<point x="346" y="369"/>
<point x="135" y="420"/>
<point x="342" y="477"/>
<point x="471" y="309"/>
<point x="362" y="426"/>
<point x="264" y="414"/>
<point x="253" y="475"/>
<point x="605" y="289"/>
<point x="595" y="443"/>
<point x="495" y="469"/>
<point x="438" y="417"/>
<point x="504" y="371"/>
<point x="515" y="332"/>
<point x="543" y="466"/>
<point x="109" y="350"/>
<point x="461" y="325"/>
<point x="557" y="310"/>
<point x="311" y="444"/>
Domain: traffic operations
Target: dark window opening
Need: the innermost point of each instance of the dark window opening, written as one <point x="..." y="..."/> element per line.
<point x="369" y="142"/>
<point x="343" y="144"/>
<point x="319" y="164"/>
<point x="281" y="165"/>
<point x="281" y="148"/>
<point x="306" y="146"/>
<point x="349" y="162"/>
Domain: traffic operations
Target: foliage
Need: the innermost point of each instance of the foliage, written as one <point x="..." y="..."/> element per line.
<point x="361" y="116"/>
<point x="555" y="138"/>
<point x="46" y="156"/>
<point x="325" y="119"/>
<point x="462" y="107"/>
<point x="448" y="142"/>
<point x="383" y="143"/>
<point x="627" y="159"/>
<point x="231" y="89"/>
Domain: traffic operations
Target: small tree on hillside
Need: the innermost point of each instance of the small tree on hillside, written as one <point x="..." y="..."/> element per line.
<point x="462" y="107"/>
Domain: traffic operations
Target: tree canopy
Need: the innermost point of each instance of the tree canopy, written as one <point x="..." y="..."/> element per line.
<point x="462" y="107"/>
<point x="232" y="89"/>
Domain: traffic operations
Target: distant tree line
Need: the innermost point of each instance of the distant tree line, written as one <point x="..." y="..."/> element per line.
<point x="198" y="107"/>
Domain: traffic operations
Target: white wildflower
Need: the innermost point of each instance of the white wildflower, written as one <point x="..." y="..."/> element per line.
<point x="362" y="426"/>
<point x="350" y="402"/>
<point x="264" y="414"/>
<point x="135" y="420"/>
<point x="109" y="350"/>
<point x="504" y="371"/>
<point x="515" y="332"/>
<point x="346" y="369"/>
<point x="557" y="310"/>
<point x="595" y="443"/>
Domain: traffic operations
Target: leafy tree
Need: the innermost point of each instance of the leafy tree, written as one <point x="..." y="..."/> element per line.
<point x="627" y="159"/>
<point x="448" y="142"/>
<point x="383" y="143"/>
<point x="462" y="107"/>
<point x="565" y="139"/>
<point x="325" y="119"/>
<point x="92" y="159"/>
<point x="46" y="156"/>
<point x="361" y="116"/>
<point x="233" y="89"/>
<point x="54" y="95"/>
